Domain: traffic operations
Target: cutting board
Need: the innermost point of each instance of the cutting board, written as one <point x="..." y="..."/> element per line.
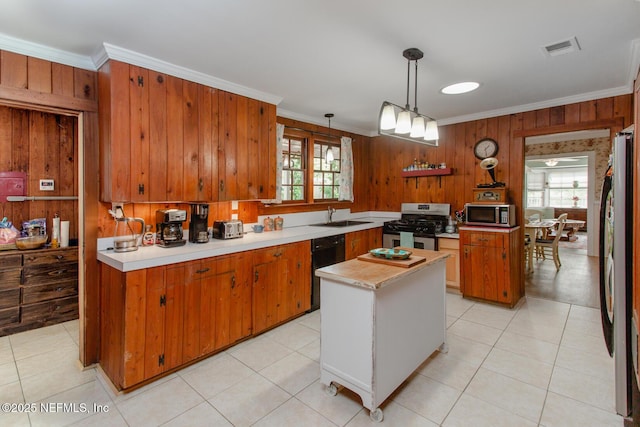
<point x="409" y="262"/>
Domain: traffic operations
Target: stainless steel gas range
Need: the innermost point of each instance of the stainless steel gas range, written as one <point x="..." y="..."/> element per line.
<point x="423" y="220"/>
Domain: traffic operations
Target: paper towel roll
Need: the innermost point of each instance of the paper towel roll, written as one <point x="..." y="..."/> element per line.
<point x="64" y="234"/>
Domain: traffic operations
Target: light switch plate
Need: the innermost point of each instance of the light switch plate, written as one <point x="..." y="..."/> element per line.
<point x="46" y="185"/>
<point x="234" y="216"/>
<point x="234" y="205"/>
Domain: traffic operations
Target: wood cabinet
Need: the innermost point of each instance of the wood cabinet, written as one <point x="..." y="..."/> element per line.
<point x="163" y="138"/>
<point x="491" y="263"/>
<point x="452" y="247"/>
<point x="37" y="288"/>
<point x="157" y="319"/>
<point x="360" y="242"/>
<point x="281" y="284"/>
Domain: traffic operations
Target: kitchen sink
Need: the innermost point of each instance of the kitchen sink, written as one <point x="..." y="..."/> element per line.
<point x="345" y="223"/>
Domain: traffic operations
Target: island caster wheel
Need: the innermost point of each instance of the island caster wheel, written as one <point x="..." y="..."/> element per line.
<point x="332" y="390"/>
<point x="376" y="415"/>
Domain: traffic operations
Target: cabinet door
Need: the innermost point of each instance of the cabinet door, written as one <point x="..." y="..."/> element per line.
<point x="139" y="133"/>
<point x="240" y="310"/>
<point x="356" y="243"/>
<point x="246" y="148"/>
<point x="173" y="318"/>
<point x="265" y="294"/>
<point x="199" y="292"/>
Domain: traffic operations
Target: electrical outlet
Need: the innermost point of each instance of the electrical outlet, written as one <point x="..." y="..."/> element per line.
<point x="118" y="209"/>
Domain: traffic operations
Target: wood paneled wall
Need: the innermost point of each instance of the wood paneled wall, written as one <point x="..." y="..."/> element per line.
<point x="70" y="94"/>
<point x="388" y="189"/>
<point x="43" y="145"/>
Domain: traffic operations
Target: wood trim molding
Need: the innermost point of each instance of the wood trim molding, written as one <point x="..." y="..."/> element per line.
<point x="613" y="124"/>
<point x="25" y="98"/>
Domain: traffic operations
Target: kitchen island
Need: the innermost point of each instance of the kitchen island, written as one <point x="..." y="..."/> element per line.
<point x="379" y="323"/>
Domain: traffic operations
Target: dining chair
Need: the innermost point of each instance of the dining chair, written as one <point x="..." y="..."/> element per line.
<point x="551" y="244"/>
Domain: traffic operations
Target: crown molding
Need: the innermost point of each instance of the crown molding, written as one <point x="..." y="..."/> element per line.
<point x="36" y="50"/>
<point x="590" y="96"/>
<point x="130" y="57"/>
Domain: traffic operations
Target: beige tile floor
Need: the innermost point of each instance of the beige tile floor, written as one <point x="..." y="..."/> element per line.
<point x="543" y="363"/>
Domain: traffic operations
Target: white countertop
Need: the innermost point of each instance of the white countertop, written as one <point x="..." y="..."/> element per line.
<point x="154" y="256"/>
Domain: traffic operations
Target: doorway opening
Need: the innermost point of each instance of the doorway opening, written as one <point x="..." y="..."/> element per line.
<point x="563" y="174"/>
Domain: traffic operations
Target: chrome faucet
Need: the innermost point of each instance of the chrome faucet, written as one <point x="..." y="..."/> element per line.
<point x="331" y="212"/>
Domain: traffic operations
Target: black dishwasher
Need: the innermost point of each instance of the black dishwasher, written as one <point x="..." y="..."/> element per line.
<point x="324" y="251"/>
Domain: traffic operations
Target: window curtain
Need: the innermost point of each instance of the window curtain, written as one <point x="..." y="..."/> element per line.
<point x="346" y="170"/>
<point x="279" y="138"/>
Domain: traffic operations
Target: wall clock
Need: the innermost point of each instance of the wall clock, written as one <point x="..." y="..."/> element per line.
<point x="486" y="147"/>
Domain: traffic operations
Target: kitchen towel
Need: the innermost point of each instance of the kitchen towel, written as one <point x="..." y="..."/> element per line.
<point x="64" y="234"/>
<point x="406" y="239"/>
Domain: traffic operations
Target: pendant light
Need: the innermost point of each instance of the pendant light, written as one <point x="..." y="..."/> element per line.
<point x="405" y="123"/>
<point x="329" y="154"/>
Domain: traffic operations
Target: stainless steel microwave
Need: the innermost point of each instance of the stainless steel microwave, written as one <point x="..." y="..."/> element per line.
<point x="492" y="215"/>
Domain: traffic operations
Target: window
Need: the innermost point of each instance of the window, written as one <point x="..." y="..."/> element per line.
<point x="568" y="188"/>
<point x="304" y="160"/>
<point x="326" y="174"/>
<point x="293" y="168"/>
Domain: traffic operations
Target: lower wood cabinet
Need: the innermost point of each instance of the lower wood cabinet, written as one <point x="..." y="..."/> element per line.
<point x="157" y="319"/>
<point x="37" y="288"/>
<point x="452" y="247"/>
<point x="360" y="242"/>
<point x="281" y="284"/>
<point x="492" y="264"/>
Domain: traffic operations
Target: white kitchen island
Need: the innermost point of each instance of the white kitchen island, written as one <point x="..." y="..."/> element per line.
<point x="379" y="323"/>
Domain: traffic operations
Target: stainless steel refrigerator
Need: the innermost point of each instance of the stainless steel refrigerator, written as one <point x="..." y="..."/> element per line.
<point x="616" y="282"/>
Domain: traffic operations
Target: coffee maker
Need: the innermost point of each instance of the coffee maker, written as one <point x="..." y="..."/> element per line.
<point x="169" y="227"/>
<point x="198" y="232"/>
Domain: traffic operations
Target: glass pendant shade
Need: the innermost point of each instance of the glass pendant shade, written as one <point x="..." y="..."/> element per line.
<point x="329" y="155"/>
<point x="388" y="119"/>
<point x="417" y="127"/>
<point x="404" y="122"/>
<point x="431" y="133"/>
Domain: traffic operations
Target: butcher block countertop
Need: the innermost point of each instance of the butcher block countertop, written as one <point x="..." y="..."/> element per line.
<point x="372" y="275"/>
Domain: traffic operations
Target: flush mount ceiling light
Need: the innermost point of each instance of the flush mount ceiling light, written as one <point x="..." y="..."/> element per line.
<point x="551" y="162"/>
<point x="458" y="88"/>
<point x="405" y="123"/>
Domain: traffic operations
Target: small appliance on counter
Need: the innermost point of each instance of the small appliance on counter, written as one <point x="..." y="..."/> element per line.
<point x="169" y="227"/>
<point x="230" y="229"/>
<point x="198" y="223"/>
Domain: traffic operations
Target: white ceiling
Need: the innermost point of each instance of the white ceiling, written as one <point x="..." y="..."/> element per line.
<point x="345" y="57"/>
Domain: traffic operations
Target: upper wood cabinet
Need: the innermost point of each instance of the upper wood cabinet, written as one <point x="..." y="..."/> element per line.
<point x="163" y="138"/>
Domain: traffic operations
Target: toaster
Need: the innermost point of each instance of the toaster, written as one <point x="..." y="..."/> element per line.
<point x="227" y="229"/>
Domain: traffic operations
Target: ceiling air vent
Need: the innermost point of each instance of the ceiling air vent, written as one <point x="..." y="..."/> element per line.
<point x="560" y="48"/>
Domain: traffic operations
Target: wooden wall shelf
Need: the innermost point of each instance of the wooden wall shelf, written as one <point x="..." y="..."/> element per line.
<point x="427" y="172"/>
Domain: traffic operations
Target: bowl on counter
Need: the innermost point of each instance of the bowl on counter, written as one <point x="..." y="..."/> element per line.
<point x="31" y="242"/>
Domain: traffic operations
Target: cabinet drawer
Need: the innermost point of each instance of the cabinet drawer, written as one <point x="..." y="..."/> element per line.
<point x="483" y="239"/>
<point x="10" y="298"/>
<point x="9" y="262"/>
<point x="51" y="257"/>
<point x="10" y="279"/>
<point x="444" y="243"/>
<point x="39" y="293"/>
<point x="9" y="316"/>
<point x="200" y="269"/>
<point x="54" y="311"/>
<point x="49" y="273"/>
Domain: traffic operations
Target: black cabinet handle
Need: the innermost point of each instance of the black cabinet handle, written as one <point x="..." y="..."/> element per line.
<point x="204" y="270"/>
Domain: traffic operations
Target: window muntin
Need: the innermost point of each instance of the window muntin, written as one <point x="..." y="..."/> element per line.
<point x="326" y="175"/>
<point x="293" y="168"/>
